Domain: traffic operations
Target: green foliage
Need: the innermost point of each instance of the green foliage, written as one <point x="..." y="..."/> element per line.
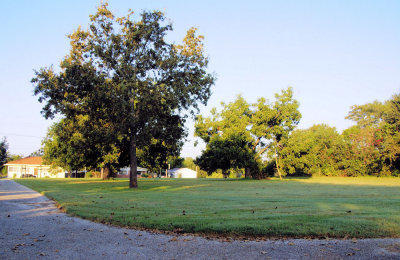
<point x="176" y="162"/>
<point x="260" y="127"/>
<point x="131" y="84"/>
<point x="362" y="154"/>
<point x="66" y="145"/>
<point x="158" y="154"/>
<point x="3" y="152"/>
<point x="372" y="147"/>
<point x="311" y="151"/>
<point x="13" y="157"/>
<point x="367" y="115"/>
<point x="4" y="171"/>
<point x="93" y="174"/>
<point x="225" y="154"/>
<point x="38" y="152"/>
<point x="188" y="162"/>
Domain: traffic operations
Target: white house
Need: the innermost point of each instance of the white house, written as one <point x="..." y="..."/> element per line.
<point x="32" y="167"/>
<point x="182" y="173"/>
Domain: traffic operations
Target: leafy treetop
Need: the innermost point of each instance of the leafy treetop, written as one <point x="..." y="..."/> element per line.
<point x="122" y="74"/>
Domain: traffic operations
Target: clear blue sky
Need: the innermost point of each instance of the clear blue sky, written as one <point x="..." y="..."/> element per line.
<point x="333" y="53"/>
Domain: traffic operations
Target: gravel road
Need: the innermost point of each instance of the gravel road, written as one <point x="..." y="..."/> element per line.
<point x="32" y="227"/>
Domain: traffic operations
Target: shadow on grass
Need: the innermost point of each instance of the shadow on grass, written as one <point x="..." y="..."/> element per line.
<point x="294" y="207"/>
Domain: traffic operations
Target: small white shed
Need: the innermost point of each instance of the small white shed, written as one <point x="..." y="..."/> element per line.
<point x="182" y="173"/>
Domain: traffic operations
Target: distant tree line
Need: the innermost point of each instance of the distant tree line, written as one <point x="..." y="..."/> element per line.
<point x="261" y="138"/>
<point x="371" y="147"/>
<point x="6" y="156"/>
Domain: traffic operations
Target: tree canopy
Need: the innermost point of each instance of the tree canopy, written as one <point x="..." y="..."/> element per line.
<point x="224" y="154"/>
<point x="3" y="152"/>
<point x="311" y="151"/>
<point x="371" y="147"/>
<point x="248" y="129"/>
<point x="124" y="77"/>
<point x="68" y="145"/>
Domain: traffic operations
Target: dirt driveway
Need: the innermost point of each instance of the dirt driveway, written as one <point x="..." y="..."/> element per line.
<point x="31" y="227"/>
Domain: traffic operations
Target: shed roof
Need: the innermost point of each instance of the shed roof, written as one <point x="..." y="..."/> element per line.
<point x="34" y="160"/>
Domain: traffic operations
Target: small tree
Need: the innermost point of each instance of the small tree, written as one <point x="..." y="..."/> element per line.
<point x="188" y="162"/>
<point x="3" y="152"/>
<point x="75" y="143"/>
<point x="225" y="154"/>
<point x="64" y="147"/>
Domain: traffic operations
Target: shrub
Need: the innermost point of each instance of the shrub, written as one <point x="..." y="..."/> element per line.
<point x="93" y="174"/>
<point x="4" y="172"/>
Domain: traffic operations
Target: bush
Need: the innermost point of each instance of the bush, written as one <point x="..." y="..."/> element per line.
<point x="269" y="169"/>
<point x="202" y="174"/>
<point x="93" y="174"/>
<point x="4" y="172"/>
<point x="396" y="173"/>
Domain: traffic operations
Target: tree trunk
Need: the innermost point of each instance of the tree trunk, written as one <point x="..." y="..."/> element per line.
<point x="106" y="173"/>
<point x="133" y="164"/>
<point x="247" y="173"/>
<point x="277" y="165"/>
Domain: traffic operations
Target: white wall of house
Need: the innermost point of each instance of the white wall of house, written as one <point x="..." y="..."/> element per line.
<point x="182" y="173"/>
<point x="40" y="171"/>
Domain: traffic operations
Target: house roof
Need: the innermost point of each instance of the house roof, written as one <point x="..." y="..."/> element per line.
<point x="34" y="160"/>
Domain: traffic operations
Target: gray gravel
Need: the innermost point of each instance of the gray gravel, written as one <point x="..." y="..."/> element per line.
<point x="32" y="227"/>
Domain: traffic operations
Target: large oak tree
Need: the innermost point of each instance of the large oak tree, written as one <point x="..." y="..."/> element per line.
<point x="124" y="74"/>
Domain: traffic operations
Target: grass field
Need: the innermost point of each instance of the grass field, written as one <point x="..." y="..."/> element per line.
<point x="314" y="207"/>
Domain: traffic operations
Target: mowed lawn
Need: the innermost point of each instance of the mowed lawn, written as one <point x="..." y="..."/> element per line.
<point x="314" y="207"/>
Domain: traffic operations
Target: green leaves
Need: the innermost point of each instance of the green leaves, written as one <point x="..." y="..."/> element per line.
<point x="134" y="85"/>
<point x="225" y="153"/>
<point x="260" y="127"/>
<point x="371" y="147"/>
<point x="3" y="152"/>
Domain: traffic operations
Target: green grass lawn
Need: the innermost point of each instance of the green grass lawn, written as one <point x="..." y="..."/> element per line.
<point x="315" y="207"/>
